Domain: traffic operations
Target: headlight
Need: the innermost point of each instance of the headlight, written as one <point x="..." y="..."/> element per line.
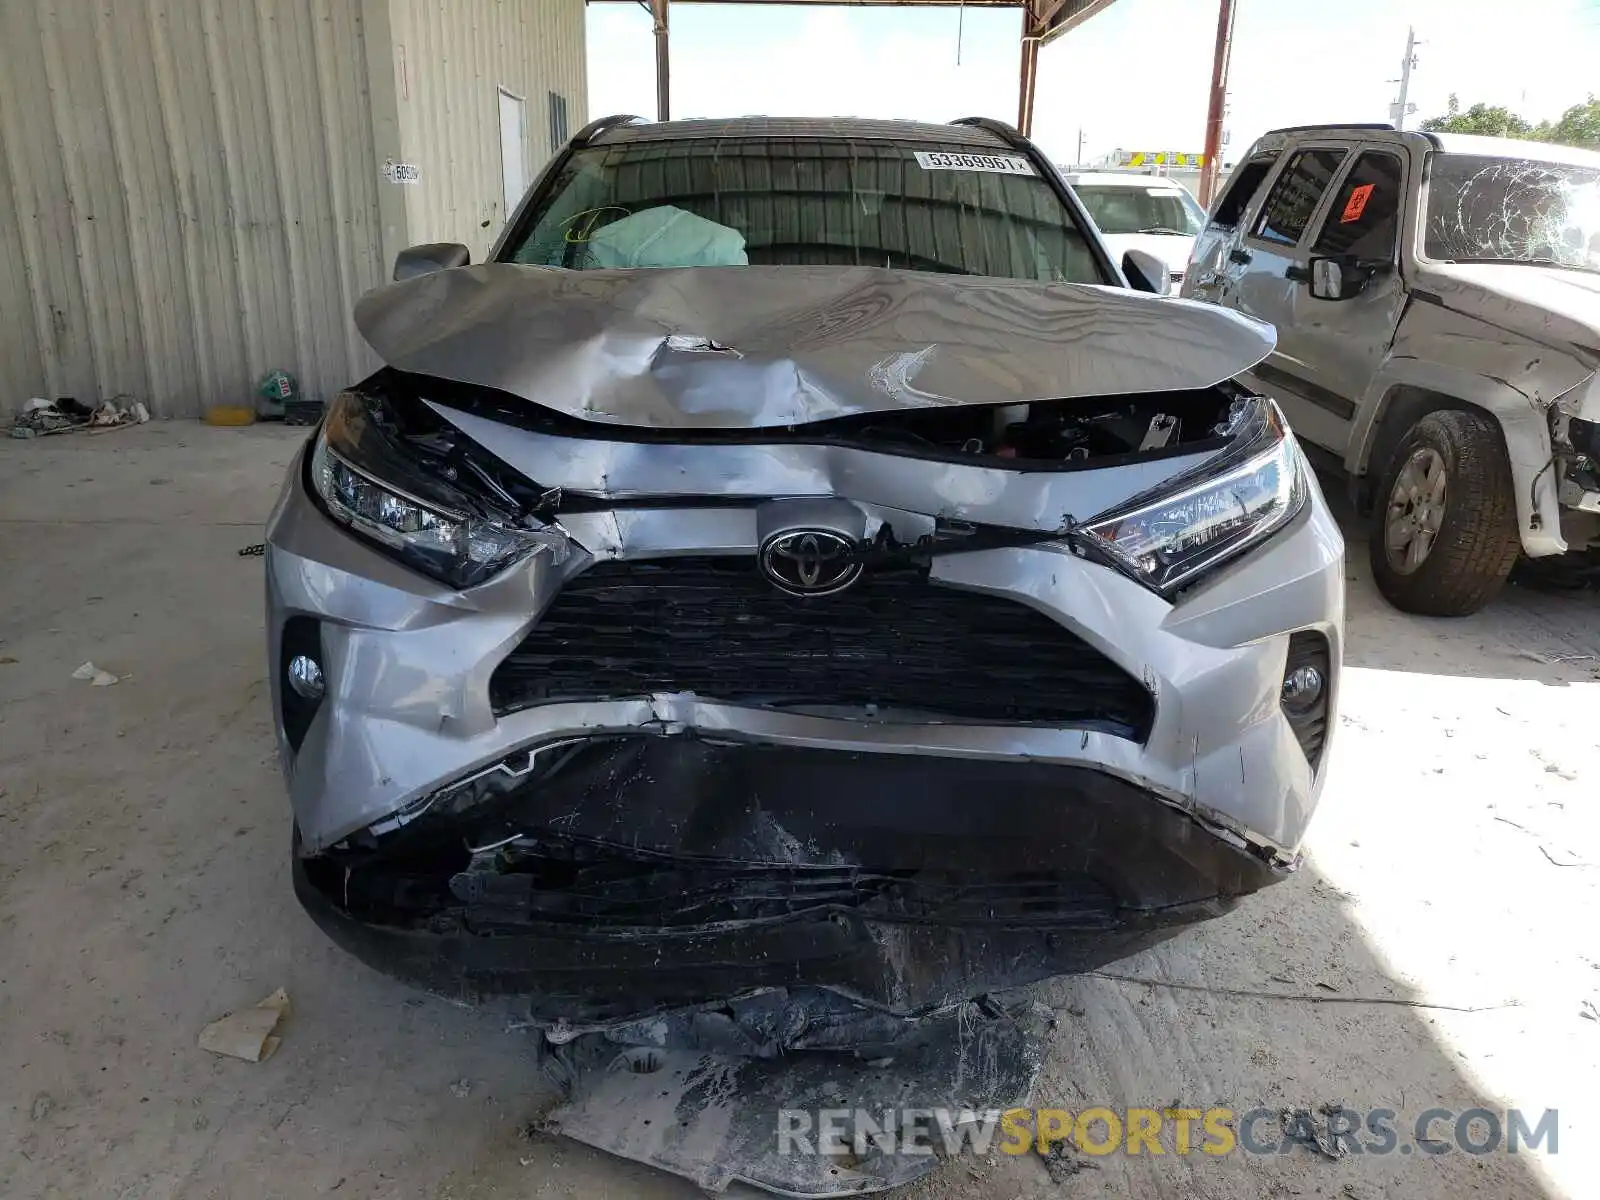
<point x="1167" y="538"/>
<point x="372" y="482"/>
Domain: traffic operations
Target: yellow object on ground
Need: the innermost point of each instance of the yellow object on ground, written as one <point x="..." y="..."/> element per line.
<point x="230" y="414"/>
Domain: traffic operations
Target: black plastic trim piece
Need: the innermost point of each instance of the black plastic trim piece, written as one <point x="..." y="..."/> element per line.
<point x="301" y="635"/>
<point x="1338" y="405"/>
<point x="1308" y="648"/>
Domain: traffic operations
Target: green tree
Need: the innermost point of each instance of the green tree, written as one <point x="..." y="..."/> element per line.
<point x="1578" y="126"/>
<point x="1485" y="119"/>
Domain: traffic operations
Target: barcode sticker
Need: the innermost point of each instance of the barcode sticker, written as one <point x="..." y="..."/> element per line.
<point x="999" y="164"/>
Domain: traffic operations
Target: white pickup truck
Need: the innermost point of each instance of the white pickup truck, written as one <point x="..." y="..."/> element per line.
<point x="1437" y="300"/>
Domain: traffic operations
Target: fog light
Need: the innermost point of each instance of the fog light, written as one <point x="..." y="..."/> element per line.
<point x="305" y="677"/>
<point x="1302" y="687"/>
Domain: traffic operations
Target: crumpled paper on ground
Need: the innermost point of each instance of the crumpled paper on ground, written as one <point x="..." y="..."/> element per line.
<point x="95" y="676"/>
<point x="251" y="1033"/>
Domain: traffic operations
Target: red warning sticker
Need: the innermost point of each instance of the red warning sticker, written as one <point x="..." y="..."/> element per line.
<point x="1357" y="204"/>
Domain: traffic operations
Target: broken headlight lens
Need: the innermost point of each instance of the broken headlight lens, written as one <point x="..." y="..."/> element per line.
<point x="372" y="482"/>
<point x="1167" y="538"/>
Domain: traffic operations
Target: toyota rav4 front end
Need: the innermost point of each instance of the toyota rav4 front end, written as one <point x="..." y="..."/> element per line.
<point x="646" y="638"/>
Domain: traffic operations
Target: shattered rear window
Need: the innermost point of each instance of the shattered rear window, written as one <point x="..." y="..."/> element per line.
<point x="1483" y="209"/>
<point x="784" y="201"/>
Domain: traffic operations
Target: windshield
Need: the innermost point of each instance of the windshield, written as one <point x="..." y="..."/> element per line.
<point x="1118" y="208"/>
<point x="784" y="201"/>
<point x="1483" y="209"/>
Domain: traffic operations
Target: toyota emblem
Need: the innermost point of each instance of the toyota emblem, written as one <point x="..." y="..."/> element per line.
<point x="810" y="562"/>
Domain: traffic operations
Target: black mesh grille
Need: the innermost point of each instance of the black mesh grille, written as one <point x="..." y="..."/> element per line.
<point x="714" y="626"/>
<point x="614" y="891"/>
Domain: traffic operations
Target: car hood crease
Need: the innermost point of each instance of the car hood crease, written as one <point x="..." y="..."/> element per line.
<point x="1544" y="303"/>
<point x="762" y="347"/>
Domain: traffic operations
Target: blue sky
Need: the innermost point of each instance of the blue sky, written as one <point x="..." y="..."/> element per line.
<point x="1136" y="76"/>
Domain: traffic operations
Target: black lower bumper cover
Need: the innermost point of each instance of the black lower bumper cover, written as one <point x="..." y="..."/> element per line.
<point x="905" y="881"/>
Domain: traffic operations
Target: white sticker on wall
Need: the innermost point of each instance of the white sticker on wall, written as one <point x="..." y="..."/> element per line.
<point x="999" y="164"/>
<point x="399" y="172"/>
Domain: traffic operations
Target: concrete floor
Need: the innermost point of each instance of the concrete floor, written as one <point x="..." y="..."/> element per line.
<point x="144" y="891"/>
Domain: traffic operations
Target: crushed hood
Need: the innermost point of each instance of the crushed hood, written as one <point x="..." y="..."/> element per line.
<point x="761" y="346"/>
<point x="1548" y="304"/>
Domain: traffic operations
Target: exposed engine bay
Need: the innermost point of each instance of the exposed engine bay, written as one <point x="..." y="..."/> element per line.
<point x="1041" y="435"/>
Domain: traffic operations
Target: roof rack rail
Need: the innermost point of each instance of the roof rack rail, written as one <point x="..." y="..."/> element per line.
<point x="600" y="124"/>
<point x="1337" y="125"/>
<point x="1008" y="133"/>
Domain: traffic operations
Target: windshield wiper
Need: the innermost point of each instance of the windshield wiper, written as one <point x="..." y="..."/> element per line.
<point x="1164" y="229"/>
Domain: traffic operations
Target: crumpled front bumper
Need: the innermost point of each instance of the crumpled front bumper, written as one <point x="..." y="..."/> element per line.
<point x="671" y="871"/>
<point x="1127" y="839"/>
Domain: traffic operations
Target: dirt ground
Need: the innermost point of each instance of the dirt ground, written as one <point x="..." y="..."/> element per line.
<point x="144" y="891"/>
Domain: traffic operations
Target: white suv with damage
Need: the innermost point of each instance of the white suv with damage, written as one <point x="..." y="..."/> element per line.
<point x="1437" y="300"/>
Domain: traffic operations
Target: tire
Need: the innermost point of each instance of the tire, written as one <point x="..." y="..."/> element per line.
<point x="1472" y="510"/>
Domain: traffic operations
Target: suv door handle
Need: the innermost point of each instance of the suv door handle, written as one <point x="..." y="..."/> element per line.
<point x="1239" y="256"/>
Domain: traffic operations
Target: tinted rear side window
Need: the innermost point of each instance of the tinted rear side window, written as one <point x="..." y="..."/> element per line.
<point x="1294" y="197"/>
<point x="832" y="201"/>
<point x="1244" y="184"/>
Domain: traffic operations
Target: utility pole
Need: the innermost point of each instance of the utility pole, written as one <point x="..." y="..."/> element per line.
<point x="658" y="17"/>
<point x="1218" y="106"/>
<point x="1078" y="162"/>
<point x="1401" y="108"/>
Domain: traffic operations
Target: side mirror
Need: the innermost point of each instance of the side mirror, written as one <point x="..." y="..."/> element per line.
<point x="1339" y="278"/>
<point x="1147" y="273"/>
<point x="429" y="257"/>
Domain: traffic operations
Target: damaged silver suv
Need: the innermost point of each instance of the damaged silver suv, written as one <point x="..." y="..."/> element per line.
<point x="797" y="560"/>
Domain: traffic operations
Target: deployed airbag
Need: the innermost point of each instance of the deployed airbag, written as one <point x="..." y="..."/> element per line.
<point x="666" y="236"/>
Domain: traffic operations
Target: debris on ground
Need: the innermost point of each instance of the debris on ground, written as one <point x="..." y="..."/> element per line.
<point x="1315" y="1132"/>
<point x="1540" y="657"/>
<point x="1061" y="1164"/>
<point x="95" y="676"/>
<point x="40" y="417"/>
<point x="275" y="392"/>
<point x="112" y="415"/>
<point x="461" y="1089"/>
<point x="251" y="1033"/>
<point x="699" y="1094"/>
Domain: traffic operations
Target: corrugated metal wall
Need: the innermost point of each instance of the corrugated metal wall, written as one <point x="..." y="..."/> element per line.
<point x="188" y="197"/>
<point x="451" y="59"/>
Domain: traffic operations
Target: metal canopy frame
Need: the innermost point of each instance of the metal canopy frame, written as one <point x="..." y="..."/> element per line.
<point x="1042" y="22"/>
